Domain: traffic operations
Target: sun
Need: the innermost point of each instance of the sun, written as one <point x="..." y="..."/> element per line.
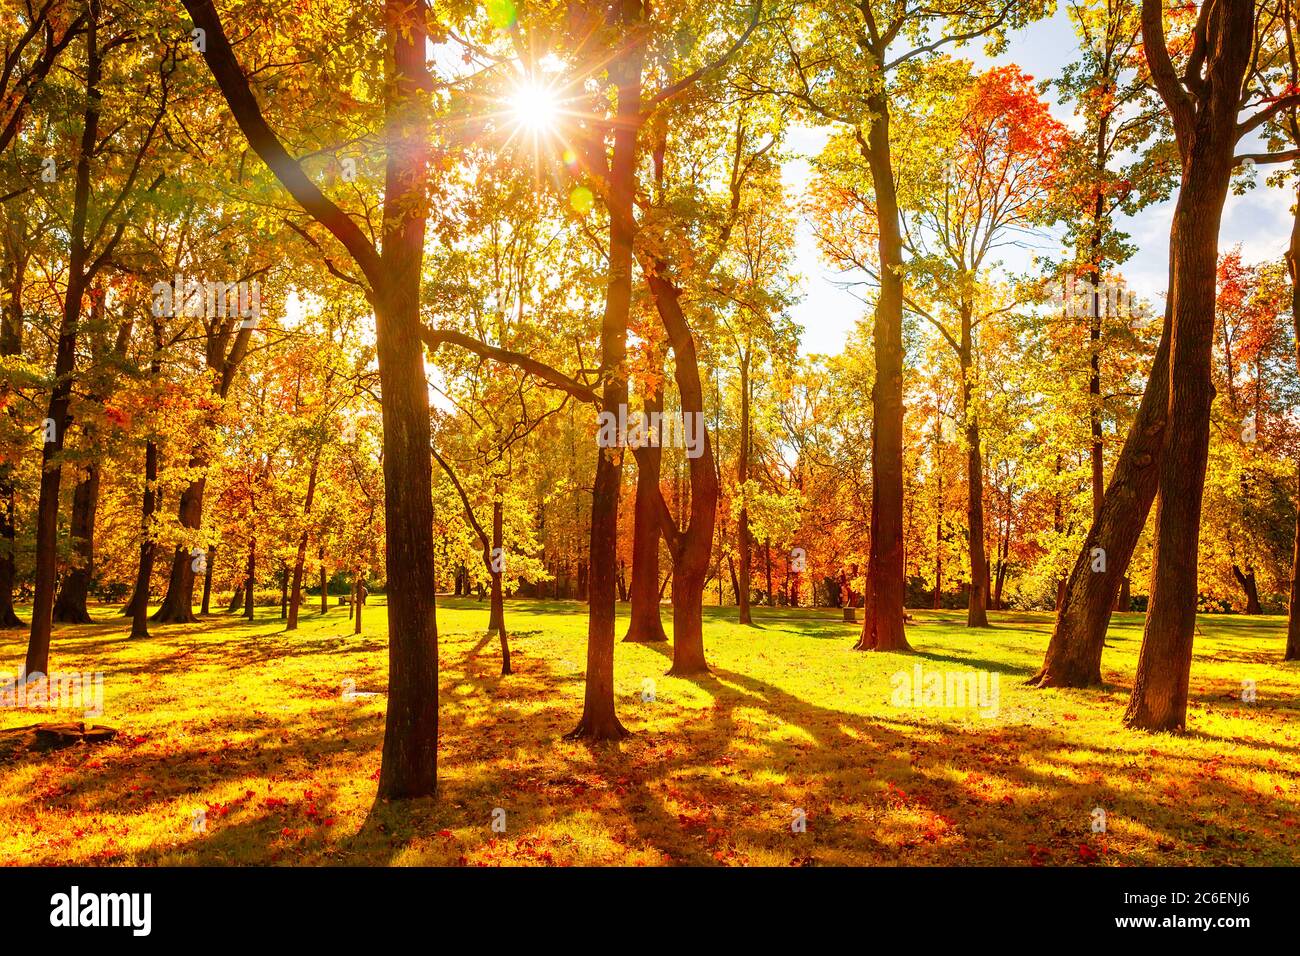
<point x="535" y="107"/>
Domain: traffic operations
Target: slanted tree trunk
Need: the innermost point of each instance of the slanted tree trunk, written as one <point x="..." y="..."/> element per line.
<point x="236" y="599"/>
<point x="1073" y="656"/>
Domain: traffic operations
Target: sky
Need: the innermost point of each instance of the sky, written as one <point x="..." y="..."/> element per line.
<point x="1260" y="221"/>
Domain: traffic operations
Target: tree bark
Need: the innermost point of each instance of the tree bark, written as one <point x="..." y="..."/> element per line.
<point x="743" y="542"/>
<point x="47" y="510"/>
<point x="882" y="625"/>
<point x="645" y="626"/>
<point x="599" y="720"/>
<point x="978" y="598"/>
<point x="70" y="605"/>
<point x="691" y="547"/>
<point x="1073" y="656"/>
<point x="1207" y="135"/>
<point x="300" y="559"/>
<point x="1293" y="604"/>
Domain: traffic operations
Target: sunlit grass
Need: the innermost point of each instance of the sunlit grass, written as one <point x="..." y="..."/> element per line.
<point x="248" y="723"/>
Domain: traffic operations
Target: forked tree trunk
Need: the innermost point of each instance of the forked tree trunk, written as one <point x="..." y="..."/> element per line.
<point x="691" y="547"/>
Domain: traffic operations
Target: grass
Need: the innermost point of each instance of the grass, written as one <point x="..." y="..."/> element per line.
<point x="247" y="722"/>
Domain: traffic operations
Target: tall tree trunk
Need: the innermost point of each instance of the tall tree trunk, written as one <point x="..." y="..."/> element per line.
<point x="11" y="344"/>
<point x="599" y="720"/>
<point x="977" y="602"/>
<point x="882" y="626"/>
<point x="1207" y="134"/>
<point x="1293" y="604"/>
<point x="324" y="582"/>
<point x="47" y="510"/>
<point x="743" y="542"/>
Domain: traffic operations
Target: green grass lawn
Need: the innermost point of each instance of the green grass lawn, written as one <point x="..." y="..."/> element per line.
<point x="248" y="723"/>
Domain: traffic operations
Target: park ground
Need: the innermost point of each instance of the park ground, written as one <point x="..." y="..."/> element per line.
<point x="250" y="724"/>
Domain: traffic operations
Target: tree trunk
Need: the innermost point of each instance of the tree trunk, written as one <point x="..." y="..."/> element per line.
<point x="177" y="605"/>
<point x="1251" y="589"/>
<point x="300" y="559"/>
<point x="599" y="721"/>
<point x="743" y="542"/>
<point x="977" y="601"/>
<point x="11" y="344"/>
<point x="47" y="510"/>
<point x="690" y="548"/>
<point x="205" y="607"/>
<point x="250" y="578"/>
<point x="70" y="606"/>
<point x="497" y="616"/>
<point x="1073" y="656"/>
<point x="1159" y="699"/>
<point x="324" y="584"/>
<point x="882" y="625"/>
<point x="357" y="584"/>
<point x="1293" y="605"/>
<point x="645" y="626"/>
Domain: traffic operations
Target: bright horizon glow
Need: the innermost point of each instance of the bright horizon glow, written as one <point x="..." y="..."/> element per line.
<point x="535" y="107"/>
